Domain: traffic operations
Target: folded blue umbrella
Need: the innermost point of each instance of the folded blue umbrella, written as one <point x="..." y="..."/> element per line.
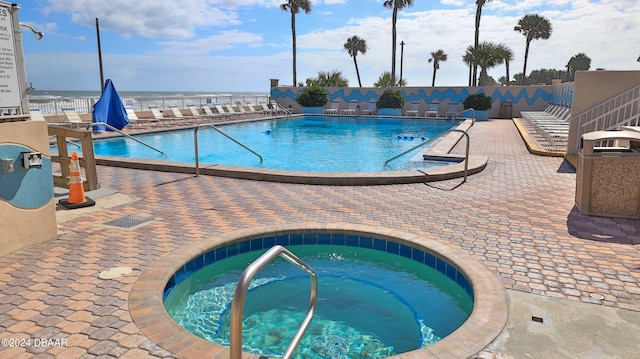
<point x="109" y="109"/>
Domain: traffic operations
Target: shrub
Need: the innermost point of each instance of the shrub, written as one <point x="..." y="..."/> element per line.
<point x="478" y="101"/>
<point x="312" y="96"/>
<point x="390" y="99"/>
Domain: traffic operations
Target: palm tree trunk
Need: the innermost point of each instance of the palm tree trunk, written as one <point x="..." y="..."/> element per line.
<point x="393" y="46"/>
<point x="357" y="71"/>
<point x="506" y="64"/>
<point x="433" y="80"/>
<point x="470" y="72"/>
<point x="526" y="56"/>
<point x="475" y="45"/>
<point x="293" y="35"/>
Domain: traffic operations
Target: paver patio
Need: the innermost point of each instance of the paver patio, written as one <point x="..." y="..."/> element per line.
<point x="517" y="217"/>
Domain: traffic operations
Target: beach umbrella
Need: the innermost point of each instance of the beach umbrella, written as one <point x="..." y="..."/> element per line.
<point x="109" y="109"/>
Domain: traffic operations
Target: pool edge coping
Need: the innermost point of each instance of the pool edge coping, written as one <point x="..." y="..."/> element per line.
<point x="488" y="318"/>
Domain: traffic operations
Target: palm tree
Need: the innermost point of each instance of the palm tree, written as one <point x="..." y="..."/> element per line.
<point x="467" y="58"/>
<point x="332" y="78"/>
<point x="577" y="62"/>
<point x="294" y="6"/>
<point x="486" y="57"/>
<point x="505" y="53"/>
<point x="395" y="5"/>
<point x="354" y="45"/>
<point x="533" y="27"/>
<point x="436" y="58"/>
<point x="385" y="81"/>
<point x="479" y="5"/>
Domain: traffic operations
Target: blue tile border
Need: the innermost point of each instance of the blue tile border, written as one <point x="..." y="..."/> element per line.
<point x="293" y="239"/>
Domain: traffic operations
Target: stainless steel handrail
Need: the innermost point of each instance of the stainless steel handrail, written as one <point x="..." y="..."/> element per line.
<point x="237" y="305"/>
<point x="473" y="118"/>
<point x="466" y="158"/>
<point x="195" y="143"/>
<point x="94" y="124"/>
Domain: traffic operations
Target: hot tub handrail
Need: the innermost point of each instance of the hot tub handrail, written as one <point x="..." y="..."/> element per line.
<point x="195" y="143"/>
<point x="123" y="133"/>
<point x="466" y="156"/>
<point x="237" y="305"/>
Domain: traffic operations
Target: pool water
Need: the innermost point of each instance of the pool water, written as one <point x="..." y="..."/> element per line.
<point x="311" y="144"/>
<point x="371" y="304"/>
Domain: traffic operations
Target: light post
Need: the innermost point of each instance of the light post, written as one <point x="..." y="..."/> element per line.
<point x="39" y="35"/>
<point x="100" y="57"/>
<point x="401" y="60"/>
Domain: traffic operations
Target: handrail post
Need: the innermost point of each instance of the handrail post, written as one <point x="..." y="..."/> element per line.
<point x="237" y="305"/>
<point x="466" y="157"/>
<point x="195" y="144"/>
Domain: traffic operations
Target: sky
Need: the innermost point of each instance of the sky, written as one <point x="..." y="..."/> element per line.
<point x="239" y="45"/>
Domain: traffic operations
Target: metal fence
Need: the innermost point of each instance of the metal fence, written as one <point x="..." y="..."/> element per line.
<point x="53" y="106"/>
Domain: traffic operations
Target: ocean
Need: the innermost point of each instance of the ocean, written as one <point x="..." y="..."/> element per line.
<point x="51" y="101"/>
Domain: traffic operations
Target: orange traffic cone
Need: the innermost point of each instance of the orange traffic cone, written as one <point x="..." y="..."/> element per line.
<point x="77" y="199"/>
<point x="76" y="189"/>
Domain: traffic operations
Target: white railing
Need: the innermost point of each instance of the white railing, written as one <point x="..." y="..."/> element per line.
<point x="52" y="106"/>
<point x="621" y="110"/>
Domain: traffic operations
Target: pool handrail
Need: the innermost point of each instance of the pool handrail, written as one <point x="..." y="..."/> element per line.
<point x="195" y="143"/>
<point x="94" y="124"/>
<point x="466" y="158"/>
<point x="237" y="305"/>
<point x="473" y="116"/>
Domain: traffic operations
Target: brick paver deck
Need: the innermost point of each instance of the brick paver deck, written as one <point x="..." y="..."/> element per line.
<point x="517" y="217"/>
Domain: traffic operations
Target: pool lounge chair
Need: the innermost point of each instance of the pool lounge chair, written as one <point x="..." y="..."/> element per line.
<point x="333" y="110"/>
<point x="229" y="110"/>
<point x="134" y="121"/>
<point x="158" y="115"/>
<point x="181" y="119"/>
<point x="452" y="109"/>
<point x="433" y="110"/>
<point x="72" y="116"/>
<point x="265" y="109"/>
<point x="208" y="114"/>
<point x="415" y="108"/>
<point x="36" y="114"/>
<point x="351" y="110"/>
<point x="372" y="109"/>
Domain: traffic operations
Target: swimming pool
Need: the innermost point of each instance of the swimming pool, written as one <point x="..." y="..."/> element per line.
<point x="376" y="298"/>
<point x="306" y="143"/>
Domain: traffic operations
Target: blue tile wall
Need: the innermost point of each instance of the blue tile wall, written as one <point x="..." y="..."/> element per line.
<point x="257" y="244"/>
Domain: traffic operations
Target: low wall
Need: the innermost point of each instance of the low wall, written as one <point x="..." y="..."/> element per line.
<point x="522" y="98"/>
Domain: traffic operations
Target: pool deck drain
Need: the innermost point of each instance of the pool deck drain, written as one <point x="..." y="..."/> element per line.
<point x="128" y="221"/>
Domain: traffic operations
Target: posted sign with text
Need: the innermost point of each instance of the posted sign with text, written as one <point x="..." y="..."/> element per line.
<point x="9" y="85"/>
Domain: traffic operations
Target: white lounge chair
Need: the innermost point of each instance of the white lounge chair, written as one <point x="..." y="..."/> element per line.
<point x="133" y="119"/>
<point x="372" y="109"/>
<point x="266" y="109"/>
<point x="333" y="110"/>
<point x="351" y="110"/>
<point x="208" y="113"/>
<point x="433" y="110"/>
<point x="452" y="109"/>
<point x="36" y="114"/>
<point x="72" y="116"/>
<point x="180" y="118"/>
<point x="415" y="108"/>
